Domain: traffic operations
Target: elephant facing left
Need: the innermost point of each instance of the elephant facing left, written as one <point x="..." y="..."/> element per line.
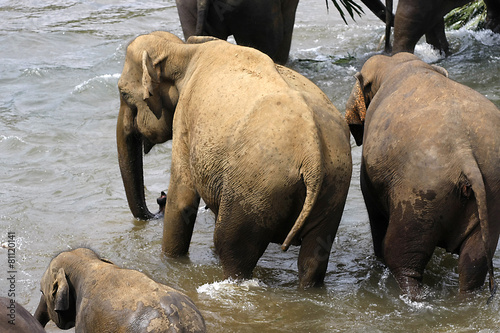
<point x="263" y="146"/>
<point x="81" y="290"/>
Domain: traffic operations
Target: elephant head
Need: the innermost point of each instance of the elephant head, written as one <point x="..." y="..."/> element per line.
<point x="148" y="97"/>
<point x="376" y="70"/>
<point x="57" y="302"/>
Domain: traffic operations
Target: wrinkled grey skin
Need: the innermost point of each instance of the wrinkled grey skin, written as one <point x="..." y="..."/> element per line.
<point x="266" y="25"/>
<point x="262" y="145"/>
<point x="413" y="19"/>
<point x="430" y="169"/>
<point x="21" y="321"/>
<point x="81" y="290"/>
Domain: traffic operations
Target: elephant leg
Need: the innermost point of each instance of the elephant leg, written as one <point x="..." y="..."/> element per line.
<point x="378" y="219"/>
<point x="437" y="38"/>
<point x="315" y="251"/>
<point x="180" y="215"/>
<point x="493" y="15"/>
<point x="410" y="23"/>
<point x="408" y="246"/>
<point x="472" y="264"/>
<point x="188" y="13"/>
<point x="288" y="9"/>
<point x="239" y="241"/>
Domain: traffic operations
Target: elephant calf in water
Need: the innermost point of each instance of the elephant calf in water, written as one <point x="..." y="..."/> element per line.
<point x="262" y="145"/>
<point x="430" y="168"/>
<point x="81" y="290"/>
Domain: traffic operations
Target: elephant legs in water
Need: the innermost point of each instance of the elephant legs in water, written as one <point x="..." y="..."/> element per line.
<point x="180" y="215"/>
<point x="472" y="262"/>
<point x="378" y="219"/>
<point x="408" y="246"/>
<point x="239" y="240"/>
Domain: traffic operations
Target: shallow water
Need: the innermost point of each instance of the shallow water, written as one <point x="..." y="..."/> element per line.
<point x="60" y="185"/>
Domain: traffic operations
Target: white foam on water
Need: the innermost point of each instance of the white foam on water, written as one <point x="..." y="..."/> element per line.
<point x="101" y="78"/>
<point x="428" y="53"/>
<point x="228" y="287"/>
<point x="11" y="137"/>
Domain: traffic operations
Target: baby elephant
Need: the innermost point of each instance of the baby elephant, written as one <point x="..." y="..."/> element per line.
<point x="430" y="169"/>
<point x="81" y="290"/>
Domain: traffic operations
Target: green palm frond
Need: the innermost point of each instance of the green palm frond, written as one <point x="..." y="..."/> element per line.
<point x="350" y="6"/>
<point x="471" y="16"/>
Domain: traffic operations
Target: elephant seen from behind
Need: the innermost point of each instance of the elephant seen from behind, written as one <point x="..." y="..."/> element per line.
<point x="82" y="290"/>
<point x="262" y="145"/>
<point x="430" y="168"/>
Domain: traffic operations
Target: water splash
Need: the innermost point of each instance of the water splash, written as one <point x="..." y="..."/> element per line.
<point x="98" y="79"/>
<point x="229" y="286"/>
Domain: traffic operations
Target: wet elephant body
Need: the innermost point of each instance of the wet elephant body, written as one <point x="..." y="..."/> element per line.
<point x="430" y="171"/>
<point x="262" y="145"/>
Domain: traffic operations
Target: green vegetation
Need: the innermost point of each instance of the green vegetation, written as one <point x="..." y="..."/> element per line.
<point x="350" y="6"/>
<point x="471" y="16"/>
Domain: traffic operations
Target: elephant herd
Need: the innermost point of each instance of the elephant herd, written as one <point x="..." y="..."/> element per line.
<point x="270" y="156"/>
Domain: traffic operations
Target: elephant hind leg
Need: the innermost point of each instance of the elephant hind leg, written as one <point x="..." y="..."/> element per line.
<point x="408" y="247"/>
<point x="239" y="242"/>
<point x="472" y="263"/>
<point x="313" y="257"/>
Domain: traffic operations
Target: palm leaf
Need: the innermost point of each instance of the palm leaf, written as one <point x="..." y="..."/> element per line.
<point x="350" y="6"/>
<point x="472" y="16"/>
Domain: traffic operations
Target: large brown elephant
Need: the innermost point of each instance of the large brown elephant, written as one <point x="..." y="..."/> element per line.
<point x="414" y="19"/>
<point x="430" y="169"/>
<point x="262" y="145"/>
<point x="82" y="290"/>
<point x="266" y="25"/>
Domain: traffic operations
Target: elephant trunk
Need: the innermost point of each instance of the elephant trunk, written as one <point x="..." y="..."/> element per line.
<point x="41" y="313"/>
<point x="129" y="145"/>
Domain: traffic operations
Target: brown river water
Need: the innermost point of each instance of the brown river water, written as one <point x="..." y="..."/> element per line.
<point x="60" y="185"/>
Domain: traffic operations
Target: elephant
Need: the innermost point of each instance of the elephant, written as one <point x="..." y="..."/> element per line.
<point x="82" y="290"/>
<point x="266" y="25"/>
<point x="430" y="168"/>
<point x="16" y="319"/>
<point x="413" y="19"/>
<point x="263" y="147"/>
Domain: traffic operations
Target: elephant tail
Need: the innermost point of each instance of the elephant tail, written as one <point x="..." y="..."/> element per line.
<point x="312" y="176"/>
<point x="474" y="180"/>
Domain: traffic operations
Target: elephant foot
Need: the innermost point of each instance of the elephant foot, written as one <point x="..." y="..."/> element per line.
<point x="409" y="282"/>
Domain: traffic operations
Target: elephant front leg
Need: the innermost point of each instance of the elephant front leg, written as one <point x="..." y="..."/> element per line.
<point x="180" y="215"/>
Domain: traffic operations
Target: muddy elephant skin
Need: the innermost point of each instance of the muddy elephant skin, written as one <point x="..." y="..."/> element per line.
<point x="430" y="169"/>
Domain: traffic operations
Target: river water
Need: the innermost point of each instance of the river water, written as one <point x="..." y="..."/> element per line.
<point x="60" y="185"/>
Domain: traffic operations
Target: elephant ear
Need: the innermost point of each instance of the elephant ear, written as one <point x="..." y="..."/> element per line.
<point x="60" y="291"/>
<point x="440" y="70"/>
<point x="150" y="76"/>
<point x="356" y="109"/>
